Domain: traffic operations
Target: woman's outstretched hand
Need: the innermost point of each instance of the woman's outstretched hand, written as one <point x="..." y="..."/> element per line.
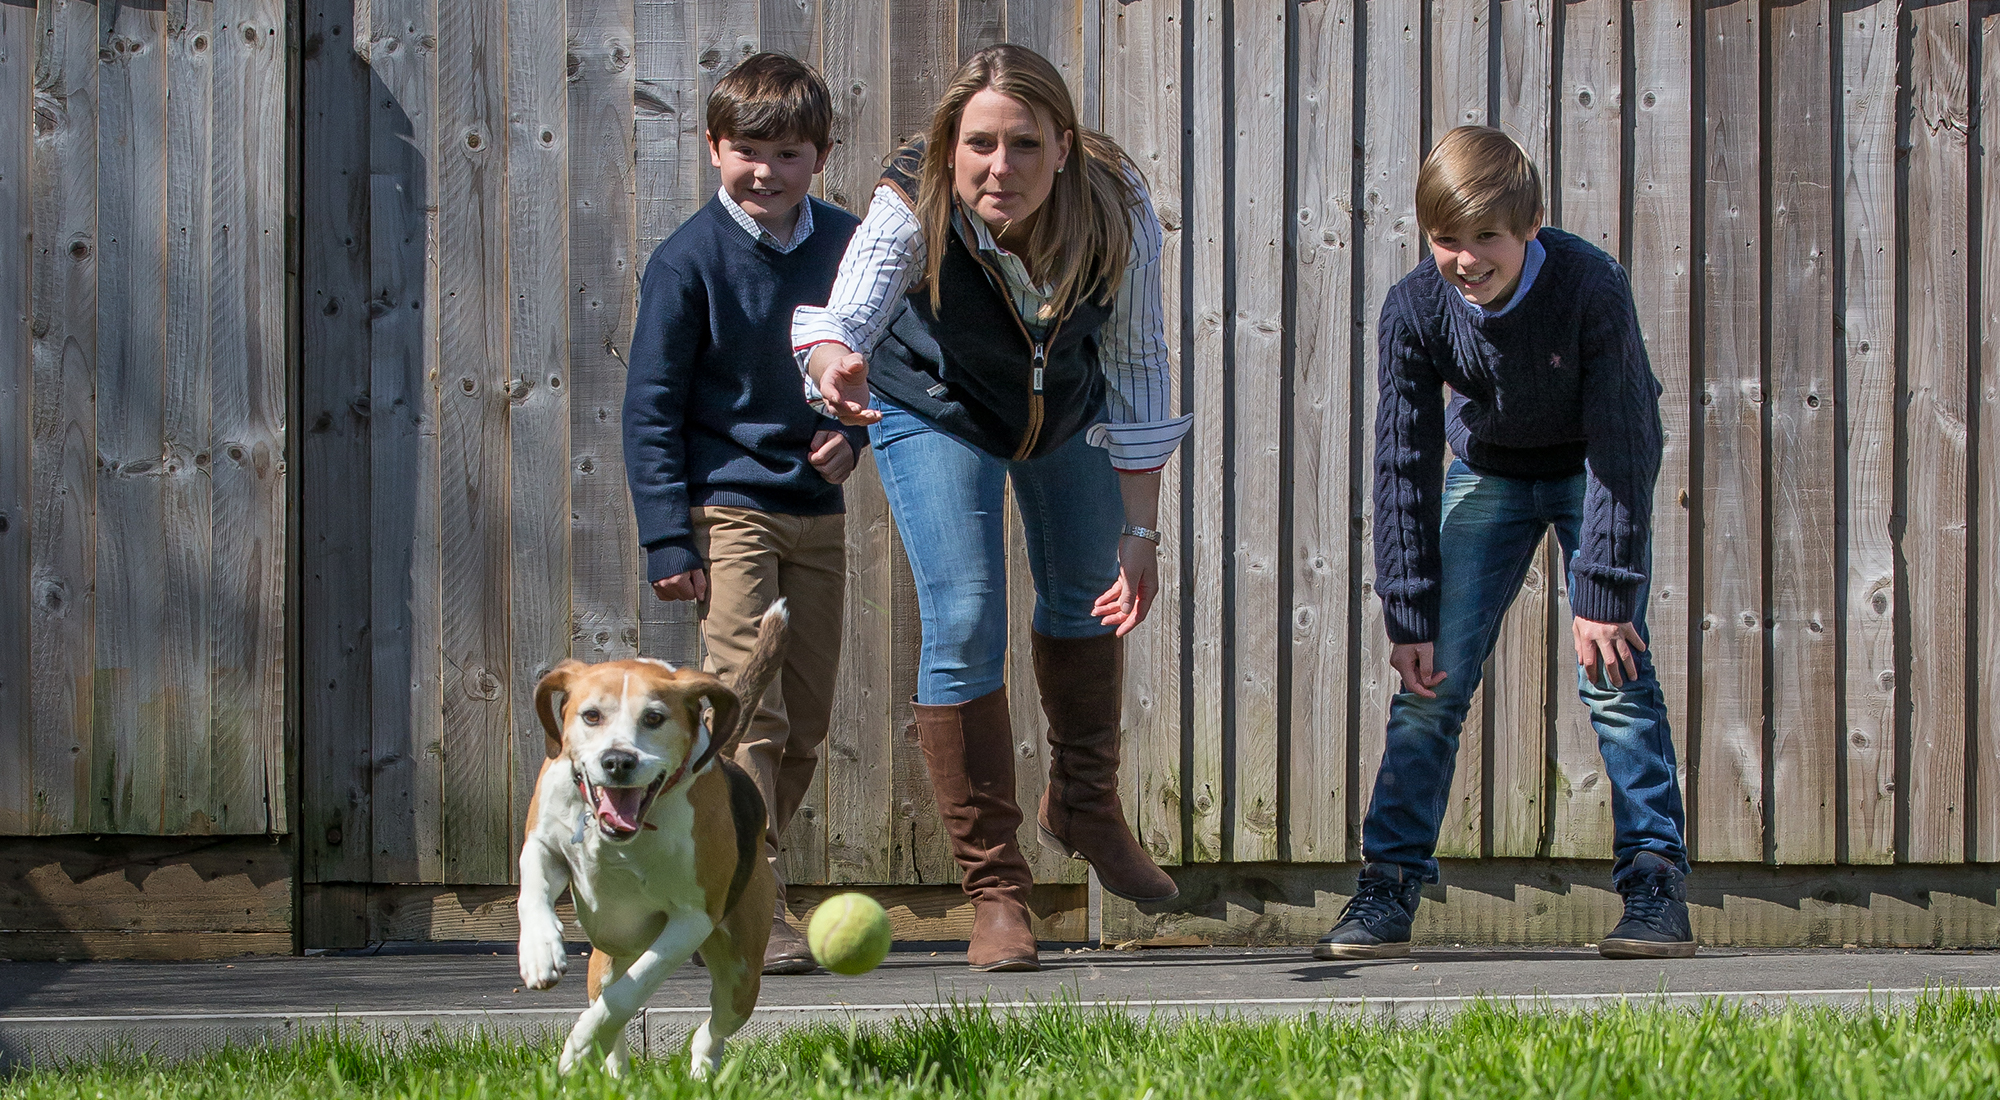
<point x="1125" y="604"/>
<point x="842" y="377"/>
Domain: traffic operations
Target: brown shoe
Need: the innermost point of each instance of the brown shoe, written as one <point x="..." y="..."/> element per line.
<point x="787" y="952"/>
<point x="1082" y="692"/>
<point x="969" y="748"/>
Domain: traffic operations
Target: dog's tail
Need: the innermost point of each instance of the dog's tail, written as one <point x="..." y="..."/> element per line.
<point x="757" y="673"/>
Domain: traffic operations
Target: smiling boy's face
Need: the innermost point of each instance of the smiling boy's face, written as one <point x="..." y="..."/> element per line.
<point x="768" y="179"/>
<point x="1483" y="261"/>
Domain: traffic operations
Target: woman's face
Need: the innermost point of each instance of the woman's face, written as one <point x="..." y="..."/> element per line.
<point x="1006" y="159"/>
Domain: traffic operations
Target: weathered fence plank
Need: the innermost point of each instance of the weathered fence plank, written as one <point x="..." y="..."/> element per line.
<point x="1256" y="387"/>
<point x="1869" y="324"/>
<point x="17" y="220"/>
<point x="1985" y="580"/>
<point x="1805" y="727"/>
<point x="1728" y="802"/>
<point x="1203" y="450"/>
<point x="1934" y="469"/>
<point x="537" y="390"/>
<point x="1322" y="463"/>
<point x="337" y="820"/>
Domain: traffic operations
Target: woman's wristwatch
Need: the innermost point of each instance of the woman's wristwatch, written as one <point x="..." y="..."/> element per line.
<point x="1146" y="533"/>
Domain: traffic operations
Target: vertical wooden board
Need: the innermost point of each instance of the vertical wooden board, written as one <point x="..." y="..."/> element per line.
<point x="669" y="118"/>
<point x="1728" y="764"/>
<point x="1590" y="91"/>
<point x="1518" y="688"/>
<point x="1054" y="29"/>
<point x="1142" y="110"/>
<point x="473" y="439"/>
<point x="1805" y="737"/>
<point x="63" y="462"/>
<point x="922" y="851"/>
<point x="790" y="27"/>
<point x="612" y="115"/>
<point x="1461" y="49"/>
<point x="250" y="340"/>
<point x="981" y="23"/>
<point x="1868" y="37"/>
<point x="1256" y="395"/>
<point x="1205" y="461"/>
<point x="17" y="219"/>
<point x="1391" y="152"/>
<point x="1322" y="473"/>
<point x="859" y="756"/>
<point x="537" y="376"/>
<point x="1661" y="262"/>
<point x="921" y="41"/>
<point x="1934" y="542"/>
<point x="405" y="619"/>
<point x="129" y="781"/>
<point x="1986" y="578"/>
<point x="186" y="435"/>
<point x="335" y="830"/>
<point x="725" y="33"/>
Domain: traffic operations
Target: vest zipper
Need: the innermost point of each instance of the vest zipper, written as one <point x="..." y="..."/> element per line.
<point x="1039" y="357"/>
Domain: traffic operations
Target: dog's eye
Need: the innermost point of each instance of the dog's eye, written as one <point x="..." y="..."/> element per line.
<point x="653" y="718"/>
<point x="592" y="716"/>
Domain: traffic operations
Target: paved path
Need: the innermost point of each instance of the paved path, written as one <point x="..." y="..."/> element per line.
<point x="62" y="1009"/>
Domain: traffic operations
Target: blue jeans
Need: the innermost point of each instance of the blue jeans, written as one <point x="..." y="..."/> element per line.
<point x="1492" y="526"/>
<point x="948" y="498"/>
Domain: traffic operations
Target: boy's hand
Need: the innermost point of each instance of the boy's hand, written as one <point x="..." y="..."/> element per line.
<point x="832" y="456"/>
<point x="842" y="377"/>
<point x="1607" y="647"/>
<point x="691" y="585"/>
<point x="1415" y="664"/>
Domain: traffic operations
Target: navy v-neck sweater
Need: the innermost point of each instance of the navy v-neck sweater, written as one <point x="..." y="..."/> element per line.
<point x="1556" y="386"/>
<point x="715" y="413"/>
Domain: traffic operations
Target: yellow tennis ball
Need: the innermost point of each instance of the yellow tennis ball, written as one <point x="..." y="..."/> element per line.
<point x="849" y="933"/>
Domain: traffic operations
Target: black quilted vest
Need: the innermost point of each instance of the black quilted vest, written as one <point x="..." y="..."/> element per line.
<point x="975" y="370"/>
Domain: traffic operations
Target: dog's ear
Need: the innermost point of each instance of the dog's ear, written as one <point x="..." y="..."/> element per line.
<point x="701" y="685"/>
<point x="555" y="683"/>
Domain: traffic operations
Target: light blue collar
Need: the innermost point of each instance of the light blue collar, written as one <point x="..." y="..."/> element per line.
<point x="1531" y="266"/>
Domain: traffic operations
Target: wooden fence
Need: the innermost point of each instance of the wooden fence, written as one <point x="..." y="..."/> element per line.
<point x="1798" y="189"/>
<point x="144" y="386"/>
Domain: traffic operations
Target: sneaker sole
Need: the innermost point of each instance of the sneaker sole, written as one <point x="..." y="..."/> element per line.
<point x="1645" y="949"/>
<point x="1360" y="951"/>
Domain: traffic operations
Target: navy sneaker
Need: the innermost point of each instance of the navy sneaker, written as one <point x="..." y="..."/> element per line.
<point x="1376" y="924"/>
<point x="1656" y="913"/>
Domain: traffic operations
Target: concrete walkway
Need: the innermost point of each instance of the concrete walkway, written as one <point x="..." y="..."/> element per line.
<point x="66" y="1010"/>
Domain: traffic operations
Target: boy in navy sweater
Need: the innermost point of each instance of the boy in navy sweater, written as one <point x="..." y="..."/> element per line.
<point x="1553" y="419"/>
<point x="735" y="479"/>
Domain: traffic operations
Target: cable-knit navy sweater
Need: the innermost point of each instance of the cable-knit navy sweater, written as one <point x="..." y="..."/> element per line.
<point x="1557" y="385"/>
<point x="713" y="410"/>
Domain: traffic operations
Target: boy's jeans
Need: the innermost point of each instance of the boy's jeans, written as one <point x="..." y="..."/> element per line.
<point x="1492" y="526"/>
<point x="948" y="498"/>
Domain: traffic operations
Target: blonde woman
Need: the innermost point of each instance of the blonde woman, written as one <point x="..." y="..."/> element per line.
<point x="998" y="316"/>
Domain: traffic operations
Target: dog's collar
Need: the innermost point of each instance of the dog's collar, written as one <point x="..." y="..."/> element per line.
<point x="692" y="764"/>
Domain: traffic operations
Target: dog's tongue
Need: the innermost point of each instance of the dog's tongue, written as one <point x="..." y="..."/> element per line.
<point x="618" y="807"/>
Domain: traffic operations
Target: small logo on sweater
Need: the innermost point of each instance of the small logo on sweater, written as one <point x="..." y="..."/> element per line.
<point x="1555" y="362"/>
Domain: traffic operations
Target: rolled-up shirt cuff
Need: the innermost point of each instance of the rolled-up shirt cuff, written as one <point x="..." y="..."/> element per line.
<point x="1138" y="448"/>
<point x="811" y="327"/>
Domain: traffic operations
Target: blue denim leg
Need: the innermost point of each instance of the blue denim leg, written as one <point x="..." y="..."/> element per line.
<point x="1631" y="722"/>
<point x="948" y="499"/>
<point x="1491" y="530"/>
<point x="1071" y="513"/>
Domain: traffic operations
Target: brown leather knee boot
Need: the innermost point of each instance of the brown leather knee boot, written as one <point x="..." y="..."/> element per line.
<point x="970" y="750"/>
<point x="1082" y="692"/>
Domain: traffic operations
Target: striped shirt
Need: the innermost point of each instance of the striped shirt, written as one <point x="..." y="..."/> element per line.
<point x="887" y="255"/>
<point x="801" y="229"/>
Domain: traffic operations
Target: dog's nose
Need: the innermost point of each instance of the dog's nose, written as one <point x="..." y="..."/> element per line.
<point x="618" y="765"/>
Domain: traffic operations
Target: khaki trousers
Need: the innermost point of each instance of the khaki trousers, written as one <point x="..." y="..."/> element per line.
<point x="753" y="558"/>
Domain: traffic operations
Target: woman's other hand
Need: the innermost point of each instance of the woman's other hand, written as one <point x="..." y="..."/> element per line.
<point x="1125" y="604"/>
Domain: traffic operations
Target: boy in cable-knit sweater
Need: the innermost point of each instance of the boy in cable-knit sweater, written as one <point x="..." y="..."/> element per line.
<point x="1553" y="420"/>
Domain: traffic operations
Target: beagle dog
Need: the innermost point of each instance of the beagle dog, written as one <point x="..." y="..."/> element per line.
<point x="641" y="814"/>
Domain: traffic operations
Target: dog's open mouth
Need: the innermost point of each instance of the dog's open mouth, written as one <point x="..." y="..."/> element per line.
<point x="621" y="811"/>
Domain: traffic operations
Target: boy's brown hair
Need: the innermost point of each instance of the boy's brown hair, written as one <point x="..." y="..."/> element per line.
<point x="771" y="97"/>
<point x="1478" y="175"/>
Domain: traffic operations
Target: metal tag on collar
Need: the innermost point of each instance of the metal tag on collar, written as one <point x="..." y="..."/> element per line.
<point x="582" y="826"/>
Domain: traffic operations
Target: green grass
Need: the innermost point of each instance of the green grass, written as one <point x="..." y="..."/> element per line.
<point x="1948" y="1045"/>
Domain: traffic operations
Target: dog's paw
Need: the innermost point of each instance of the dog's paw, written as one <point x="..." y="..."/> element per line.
<point x="543" y="962"/>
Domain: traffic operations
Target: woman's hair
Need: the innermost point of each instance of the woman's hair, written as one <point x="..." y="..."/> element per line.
<point x="1476" y="175"/>
<point x="1083" y="234"/>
